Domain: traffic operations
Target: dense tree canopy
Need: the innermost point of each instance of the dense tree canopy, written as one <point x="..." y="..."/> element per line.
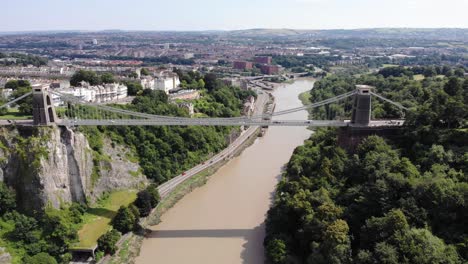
<point x="91" y="77"/>
<point x="20" y="88"/>
<point x="166" y="151"/>
<point x="23" y="59"/>
<point x="398" y="201"/>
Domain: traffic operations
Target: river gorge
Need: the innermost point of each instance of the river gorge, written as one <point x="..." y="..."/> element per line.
<point x="222" y="221"/>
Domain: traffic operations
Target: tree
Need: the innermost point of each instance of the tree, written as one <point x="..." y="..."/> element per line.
<point x="107" y="78"/>
<point x="15" y="84"/>
<point x="201" y="84"/>
<point x="459" y="72"/>
<point x="144" y="72"/>
<point x="337" y="245"/>
<point x="12" y="84"/>
<point x="210" y="81"/>
<point x="25" y="106"/>
<point x="133" y="75"/>
<point x="143" y="203"/>
<point x="7" y="199"/>
<point x="276" y="251"/>
<point x="76" y="211"/>
<point x="430" y="72"/>
<point x="125" y="220"/>
<point x="133" y="87"/>
<point x="83" y="75"/>
<point x="107" y="242"/>
<point x="134" y="211"/>
<point x="421" y="246"/>
<point x="59" y="231"/>
<point x="25" y="229"/>
<point x="379" y="229"/>
<point x="41" y="258"/>
<point x="386" y="254"/>
<point x="453" y="87"/>
<point x="153" y="191"/>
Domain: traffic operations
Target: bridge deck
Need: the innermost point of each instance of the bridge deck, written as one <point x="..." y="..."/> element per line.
<point x="195" y="122"/>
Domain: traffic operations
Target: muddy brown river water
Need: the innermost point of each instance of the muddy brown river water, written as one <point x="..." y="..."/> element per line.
<point x="222" y="221"/>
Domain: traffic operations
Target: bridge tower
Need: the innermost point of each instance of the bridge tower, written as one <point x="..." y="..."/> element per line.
<point x="43" y="108"/>
<point x="361" y="114"/>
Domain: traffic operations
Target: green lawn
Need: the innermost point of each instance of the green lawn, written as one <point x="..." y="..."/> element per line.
<point x="14" y="114"/>
<point x="389" y="65"/>
<point x="418" y="77"/>
<point x="305" y="98"/>
<point x="96" y="221"/>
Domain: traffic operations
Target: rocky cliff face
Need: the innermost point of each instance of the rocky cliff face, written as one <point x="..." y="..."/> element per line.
<point x="53" y="166"/>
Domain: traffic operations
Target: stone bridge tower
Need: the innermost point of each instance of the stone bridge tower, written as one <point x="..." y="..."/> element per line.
<point x="361" y="115"/>
<point x="43" y="107"/>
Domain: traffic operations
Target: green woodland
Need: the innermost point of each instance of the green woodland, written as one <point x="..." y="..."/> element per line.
<point x="166" y="151"/>
<point x="400" y="199"/>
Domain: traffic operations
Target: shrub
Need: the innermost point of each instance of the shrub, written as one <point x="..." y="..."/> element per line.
<point x="7" y="199"/>
<point x="107" y="242"/>
<point x="41" y="258"/>
<point x="125" y="220"/>
<point x="153" y="191"/>
<point x="143" y="203"/>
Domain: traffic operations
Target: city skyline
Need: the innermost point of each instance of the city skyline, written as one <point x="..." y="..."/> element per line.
<point x="222" y="15"/>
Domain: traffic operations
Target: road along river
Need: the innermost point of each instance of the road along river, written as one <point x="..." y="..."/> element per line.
<point x="222" y="221"/>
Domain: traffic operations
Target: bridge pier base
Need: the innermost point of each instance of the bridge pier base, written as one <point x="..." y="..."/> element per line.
<point x="349" y="138"/>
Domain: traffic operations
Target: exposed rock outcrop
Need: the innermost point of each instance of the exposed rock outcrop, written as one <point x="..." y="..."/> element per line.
<point x="4" y="257"/>
<point x="53" y="166"/>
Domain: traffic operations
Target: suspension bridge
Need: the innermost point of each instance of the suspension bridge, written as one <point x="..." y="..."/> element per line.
<point x="78" y="112"/>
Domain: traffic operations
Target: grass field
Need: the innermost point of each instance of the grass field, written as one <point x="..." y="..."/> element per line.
<point x="389" y="65"/>
<point x="96" y="221"/>
<point x="418" y="77"/>
<point x="14" y="114"/>
<point x="305" y="98"/>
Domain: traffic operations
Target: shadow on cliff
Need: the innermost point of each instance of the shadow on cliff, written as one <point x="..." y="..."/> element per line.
<point x="102" y="212"/>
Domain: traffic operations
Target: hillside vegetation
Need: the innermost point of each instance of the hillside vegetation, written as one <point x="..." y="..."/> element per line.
<point x="390" y="201"/>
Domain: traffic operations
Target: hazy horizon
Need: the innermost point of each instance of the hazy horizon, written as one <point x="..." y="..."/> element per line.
<point x="222" y="30"/>
<point x="206" y="15"/>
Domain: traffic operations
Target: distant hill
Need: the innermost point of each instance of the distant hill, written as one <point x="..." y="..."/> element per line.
<point x="457" y="34"/>
<point x="417" y="33"/>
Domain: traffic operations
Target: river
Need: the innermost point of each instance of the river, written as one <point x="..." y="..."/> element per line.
<point x="222" y="221"/>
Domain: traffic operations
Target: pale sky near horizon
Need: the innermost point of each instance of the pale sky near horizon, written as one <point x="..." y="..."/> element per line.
<point x="31" y="15"/>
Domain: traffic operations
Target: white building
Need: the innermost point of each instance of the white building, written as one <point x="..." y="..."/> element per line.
<point x="6" y="93"/>
<point x="96" y="94"/>
<point x="167" y="82"/>
<point x="147" y="82"/>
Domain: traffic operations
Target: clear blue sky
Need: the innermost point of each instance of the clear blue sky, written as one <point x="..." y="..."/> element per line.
<point x="20" y="15"/>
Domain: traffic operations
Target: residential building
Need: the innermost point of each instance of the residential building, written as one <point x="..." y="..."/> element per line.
<point x="270" y="69"/>
<point x="95" y="94"/>
<point x="147" y="82"/>
<point x="263" y="59"/>
<point x="243" y="65"/>
<point x="167" y="82"/>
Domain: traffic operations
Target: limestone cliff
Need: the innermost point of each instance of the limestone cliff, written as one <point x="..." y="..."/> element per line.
<point x="53" y="166"/>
